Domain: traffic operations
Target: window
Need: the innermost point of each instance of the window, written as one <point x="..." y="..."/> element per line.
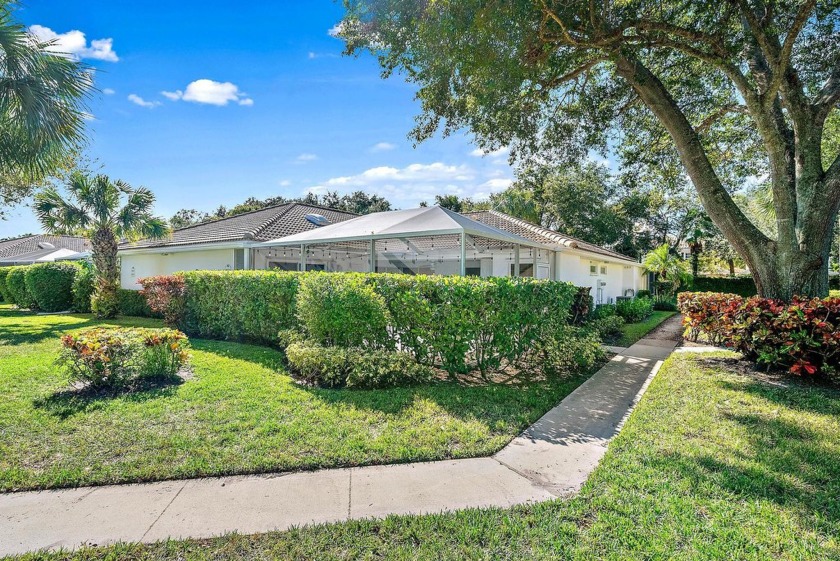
<point x="525" y="269"/>
<point x="473" y="271"/>
<point x="238" y="259"/>
<point x="593" y="269"/>
<point x="603" y="269"/>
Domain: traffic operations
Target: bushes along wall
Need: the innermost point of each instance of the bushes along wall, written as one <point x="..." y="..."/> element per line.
<point x="16" y="287"/>
<point x="51" y="285"/>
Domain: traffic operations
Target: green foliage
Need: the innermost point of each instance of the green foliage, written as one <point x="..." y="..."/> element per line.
<point x="743" y="286"/>
<point x="51" y="285"/>
<point x="115" y="357"/>
<point x="355" y="367"/>
<point x="671" y="271"/>
<point x="342" y="310"/>
<point x="665" y="304"/>
<point x="571" y="350"/>
<point x="42" y="108"/>
<point x="635" y="310"/>
<point x="17" y="289"/>
<point x="604" y="311"/>
<point x="256" y="304"/>
<point x="608" y="327"/>
<point x="643" y="294"/>
<point x="133" y="303"/>
<point x="83" y="287"/>
<point x="105" y="211"/>
<point x="4" y="291"/>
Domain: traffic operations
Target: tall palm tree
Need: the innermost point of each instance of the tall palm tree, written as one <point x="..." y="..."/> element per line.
<point x="42" y="107"/>
<point x="105" y="211"/>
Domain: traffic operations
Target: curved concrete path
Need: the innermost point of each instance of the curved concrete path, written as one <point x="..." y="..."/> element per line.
<point x="552" y="458"/>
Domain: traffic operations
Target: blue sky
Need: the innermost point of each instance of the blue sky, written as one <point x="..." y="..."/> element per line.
<point x="259" y="102"/>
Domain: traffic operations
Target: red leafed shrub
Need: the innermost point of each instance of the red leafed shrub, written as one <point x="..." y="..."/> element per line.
<point x="802" y="337"/>
<point x="166" y="295"/>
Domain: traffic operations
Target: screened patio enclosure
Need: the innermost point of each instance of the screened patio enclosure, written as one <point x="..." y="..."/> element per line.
<point x="430" y="240"/>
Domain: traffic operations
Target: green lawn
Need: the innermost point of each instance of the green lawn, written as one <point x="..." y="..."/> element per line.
<point x="240" y="414"/>
<point x="632" y="332"/>
<point x="711" y="465"/>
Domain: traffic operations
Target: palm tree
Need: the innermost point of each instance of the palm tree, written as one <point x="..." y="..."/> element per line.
<point x="105" y="211"/>
<point x="670" y="270"/>
<point x="42" y="112"/>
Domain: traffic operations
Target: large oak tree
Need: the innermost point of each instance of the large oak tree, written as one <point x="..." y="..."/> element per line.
<point x="730" y="90"/>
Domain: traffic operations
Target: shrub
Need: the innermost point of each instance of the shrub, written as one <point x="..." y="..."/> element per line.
<point x="607" y="327"/>
<point x="582" y="305"/>
<point x="802" y="337"/>
<point x="665" y="305"/>
<point x="83" y="285"/>
<point x="133" y="303"/>
<point x="342" y="310"/>
<point x="51" y="285"/>
<point x="604" y="311"/>
<point x="233" y="305"/>
<point x="165" y="296"/>
<point x="643" y="294"/>
<point x="354" y="367"/>
<point x="16" y="285"/>
<point x="742" y="286"/>
<point x="4" y="291"/>
<point x="635" y="310"/>
<point x="109" y="357"/>
<point x="104" y="302"/>
<point x="572" y="350"/>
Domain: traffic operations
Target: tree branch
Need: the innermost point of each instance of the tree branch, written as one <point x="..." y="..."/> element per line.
<point x="828" y="96"/>
<point x="745" y="236"/>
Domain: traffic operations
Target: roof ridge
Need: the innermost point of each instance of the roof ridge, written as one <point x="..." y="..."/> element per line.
<point x="534" y="227"/>
<point x="217" y="220"/>
<point x="271" y="220"/>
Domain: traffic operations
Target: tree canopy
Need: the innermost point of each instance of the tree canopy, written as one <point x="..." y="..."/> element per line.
<point x="719" y="91"/>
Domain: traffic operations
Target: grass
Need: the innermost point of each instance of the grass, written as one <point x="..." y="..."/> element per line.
<point x="239" y="414"/>
<point x="712" y="464"/>
<point x="632" y="332"/>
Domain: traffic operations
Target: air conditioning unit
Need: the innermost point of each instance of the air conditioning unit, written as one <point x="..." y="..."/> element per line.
<point x="602" y="283"/>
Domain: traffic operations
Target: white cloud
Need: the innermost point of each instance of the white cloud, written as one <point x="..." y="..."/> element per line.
<point x="382" y="147"/>
<point x="498" y="153"/>
<point x="306" y="158"/>
<point x="136" y="99"/>
<point x="109" y="91"/>
<point x="285" y="183"/>
<point x="335" y="30"/>
<point x="74" y="44"/>
<point x="407" y="186"/>
<point x="210" y="92"/>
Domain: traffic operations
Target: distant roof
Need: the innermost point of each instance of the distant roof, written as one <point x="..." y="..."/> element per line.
<point x="538" y="233"/>
<point x="424" y="221"/>
<point x="29" y="249"/>
<point x="258" y="225"/>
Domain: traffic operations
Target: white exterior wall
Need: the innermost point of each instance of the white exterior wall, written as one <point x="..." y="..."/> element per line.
<point x="139" y="265"/>
<point x="575" y="268"/>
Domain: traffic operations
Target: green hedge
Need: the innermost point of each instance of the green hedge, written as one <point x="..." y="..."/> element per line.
<point x="4" y="291"/>
<point x="16" y="286"/>
<point x="240" y="305"/>
<point x="83" y="287"/>
<point x="456" y="323"/>
<point x="132" y="303"/>
<point x="51" y="285"/>
<point x="742" y="286"/>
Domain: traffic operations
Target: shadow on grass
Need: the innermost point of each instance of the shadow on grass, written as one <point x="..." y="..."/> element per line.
<point x="72" y="401"/>
<point x="28" y="331"/>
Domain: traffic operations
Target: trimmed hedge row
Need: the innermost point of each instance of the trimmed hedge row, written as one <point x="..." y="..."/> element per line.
<point x="743" y="286"/>
<point x="456" y="323"/>
<point x="802" y="337"/>
<point x="4" y="291"/>
<point x="51" y="285"/>
<point x="16" y="285"/>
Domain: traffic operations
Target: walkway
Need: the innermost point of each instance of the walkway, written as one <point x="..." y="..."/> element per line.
<point x="550" y="459"/>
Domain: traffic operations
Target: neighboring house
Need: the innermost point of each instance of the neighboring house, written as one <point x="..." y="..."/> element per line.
<point x="41" y="248"/>
<point x="219" y="244"/>
<point x="430" y="240"/>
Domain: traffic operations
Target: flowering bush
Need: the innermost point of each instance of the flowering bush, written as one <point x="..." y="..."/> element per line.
<point x="803" y="336"/>
<point x="112" y="357"/>
<point x="165" y="295"/>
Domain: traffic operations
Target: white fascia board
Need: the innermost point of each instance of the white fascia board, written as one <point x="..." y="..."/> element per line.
<point x="185" y="248"/>
<point x="598" y="257"/>
<point x="404" y="235"/>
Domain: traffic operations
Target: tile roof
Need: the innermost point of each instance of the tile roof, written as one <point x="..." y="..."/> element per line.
<point x="538" y="233"/>
<point x="258" y="225"/>
<point x="12" y="250"/>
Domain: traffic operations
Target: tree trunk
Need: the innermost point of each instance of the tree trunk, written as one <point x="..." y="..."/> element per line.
<point x="731" y="267"/>
<point x="104" y="301"/>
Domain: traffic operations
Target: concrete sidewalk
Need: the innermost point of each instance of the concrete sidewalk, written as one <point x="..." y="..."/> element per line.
<point x="550" y="459"/>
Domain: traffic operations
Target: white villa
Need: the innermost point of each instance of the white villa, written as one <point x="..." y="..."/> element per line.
<point x="428" y="240"/>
